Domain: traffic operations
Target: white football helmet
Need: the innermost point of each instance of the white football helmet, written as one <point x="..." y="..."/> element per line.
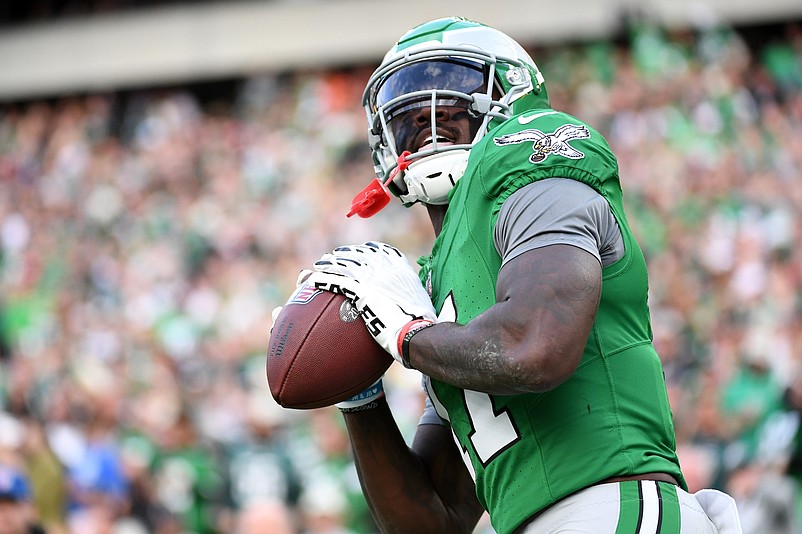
<point x="451" y="63"/>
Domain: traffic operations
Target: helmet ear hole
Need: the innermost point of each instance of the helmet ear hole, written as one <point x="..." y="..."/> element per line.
<point x="518" y="76"/>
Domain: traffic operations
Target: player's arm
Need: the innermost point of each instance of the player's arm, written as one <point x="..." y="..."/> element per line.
<point x="418" y="489"/>
<point x="547" y="295"/>
<point x="422" y="489"/>
<point x="554" y="237"/>
<point x="532" y="339"/>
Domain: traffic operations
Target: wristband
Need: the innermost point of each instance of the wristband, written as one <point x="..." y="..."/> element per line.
<point x="405" y="336"/>
<point x="361" y="408"/>
<point x="363" y="398"/>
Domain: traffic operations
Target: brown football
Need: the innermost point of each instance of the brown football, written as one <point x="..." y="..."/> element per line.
<point x="321" y="352"/>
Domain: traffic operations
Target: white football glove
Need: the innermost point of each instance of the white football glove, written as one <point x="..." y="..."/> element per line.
<point x="385" y="289"/>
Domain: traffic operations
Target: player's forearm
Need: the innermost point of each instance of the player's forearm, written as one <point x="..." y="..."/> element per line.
<point x="533" y="337"/>
<point x="493" y="355"/>
<point x="395" y="481"/>
<point x="471" y="359"/>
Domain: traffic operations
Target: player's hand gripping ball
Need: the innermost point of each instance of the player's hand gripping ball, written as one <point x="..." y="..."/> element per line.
<point x="385" y="288"/>
<point x="320" y="351"/>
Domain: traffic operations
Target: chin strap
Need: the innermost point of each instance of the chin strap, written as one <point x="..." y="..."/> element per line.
<point x="376" y="196"/>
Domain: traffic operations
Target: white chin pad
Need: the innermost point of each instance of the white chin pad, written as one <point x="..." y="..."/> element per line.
<point x="430" y="179"/>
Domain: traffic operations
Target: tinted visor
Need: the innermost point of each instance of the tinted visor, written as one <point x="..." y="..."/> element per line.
<point x="436" y="85"/>
<point x="445" y="74"/>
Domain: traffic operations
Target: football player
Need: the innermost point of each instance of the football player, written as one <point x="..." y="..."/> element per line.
<point x="547" y="405"/>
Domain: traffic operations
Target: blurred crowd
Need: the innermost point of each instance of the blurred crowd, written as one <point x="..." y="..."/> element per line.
<point x="146" y="237"/>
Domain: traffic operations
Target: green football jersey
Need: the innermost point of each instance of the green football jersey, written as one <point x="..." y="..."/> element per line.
<point x="612" y="417"/>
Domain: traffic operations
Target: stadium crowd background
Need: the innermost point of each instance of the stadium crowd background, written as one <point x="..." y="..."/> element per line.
<point x="145" y="237"/>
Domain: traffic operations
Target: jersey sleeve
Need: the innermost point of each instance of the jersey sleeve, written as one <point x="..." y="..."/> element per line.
<point x="558" y="211"/>
<point x="429" y="416"/>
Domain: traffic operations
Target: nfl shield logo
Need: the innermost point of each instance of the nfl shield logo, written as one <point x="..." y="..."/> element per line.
<point x="303" y="295"/>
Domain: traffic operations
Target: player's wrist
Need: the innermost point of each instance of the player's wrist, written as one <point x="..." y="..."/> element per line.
<point x="372" y="405"/>
<point x="405" y="337"/>
<point x="364" y="400"/>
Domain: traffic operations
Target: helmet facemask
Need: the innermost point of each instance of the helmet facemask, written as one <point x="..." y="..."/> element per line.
<point x="457" y="75"/>
<point x="409" y="103"/>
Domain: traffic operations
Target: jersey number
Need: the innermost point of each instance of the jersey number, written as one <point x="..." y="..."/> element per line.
<point x="493" y="431"/>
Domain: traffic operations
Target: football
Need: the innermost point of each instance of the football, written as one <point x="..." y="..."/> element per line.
<point x="320" y="351"/>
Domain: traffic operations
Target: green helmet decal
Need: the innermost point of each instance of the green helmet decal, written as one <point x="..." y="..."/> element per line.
<point x="433" y="31"/>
